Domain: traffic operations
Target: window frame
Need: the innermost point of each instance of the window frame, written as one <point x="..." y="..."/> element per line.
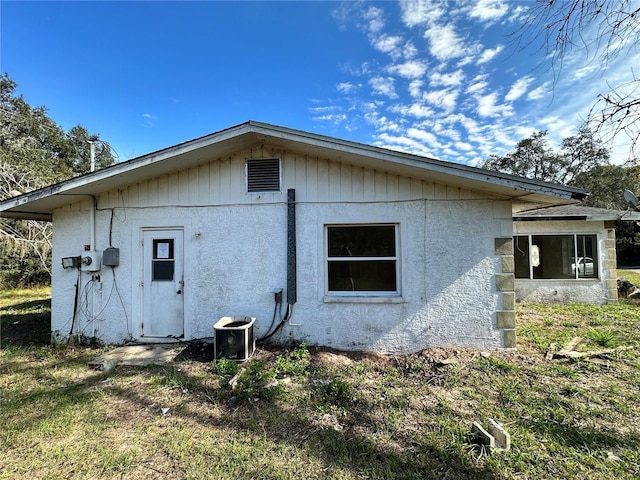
<point x="367" y="295"/>
<point x="575" y="238"/>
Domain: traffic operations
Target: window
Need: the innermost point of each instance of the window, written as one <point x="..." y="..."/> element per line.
<point x="362" y="259"/>
<point x="263" y="175"/>
<point x="556" y="256"/>
<point x="163" y="263"/>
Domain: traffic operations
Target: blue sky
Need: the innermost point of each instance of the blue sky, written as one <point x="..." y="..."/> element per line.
<point x="441" y="79"/>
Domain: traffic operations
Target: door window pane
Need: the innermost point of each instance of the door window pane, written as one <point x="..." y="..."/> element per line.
<point x="163" y="263"/>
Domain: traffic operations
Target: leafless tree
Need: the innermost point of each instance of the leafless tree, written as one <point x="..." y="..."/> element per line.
<point x="603" y="30"/>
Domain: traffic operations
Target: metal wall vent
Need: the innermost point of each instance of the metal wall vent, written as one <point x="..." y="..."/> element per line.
<point x="263" y="175"/>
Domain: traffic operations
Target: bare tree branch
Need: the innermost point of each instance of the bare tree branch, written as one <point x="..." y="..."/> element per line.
<point x="603" y="30"/>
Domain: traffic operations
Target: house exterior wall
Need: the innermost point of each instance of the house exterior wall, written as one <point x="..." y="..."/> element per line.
<point x="235" y="251"/>
<point x="601" y="290"/>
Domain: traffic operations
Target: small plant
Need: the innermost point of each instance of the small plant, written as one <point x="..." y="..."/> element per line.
<point x="83" y="340"/>
<point x="225" y="366"/>
<point x="296" y="362"/>
<point x="603" y="338"/>
<point x="254" y="381"/>
<point x="416" y="364"/>
<point x="337" y="393"/>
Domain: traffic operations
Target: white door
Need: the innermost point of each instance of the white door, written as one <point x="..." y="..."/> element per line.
<point x="162" y="284"/>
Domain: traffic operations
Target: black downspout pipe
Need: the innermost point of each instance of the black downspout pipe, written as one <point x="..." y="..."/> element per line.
<point x="292" y="293"/>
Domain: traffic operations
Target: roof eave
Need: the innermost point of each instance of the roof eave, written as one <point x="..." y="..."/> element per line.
<point x="41" y="203"/>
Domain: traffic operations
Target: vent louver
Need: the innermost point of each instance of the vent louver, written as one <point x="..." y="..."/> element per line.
<point x="263" y="175"/>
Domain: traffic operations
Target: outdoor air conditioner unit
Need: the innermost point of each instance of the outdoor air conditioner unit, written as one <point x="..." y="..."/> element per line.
<point x="234" y="339"/>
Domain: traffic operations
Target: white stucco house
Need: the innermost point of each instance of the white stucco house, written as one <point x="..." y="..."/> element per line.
<point x="355" y="247"/>
<point x="567" y="254"/>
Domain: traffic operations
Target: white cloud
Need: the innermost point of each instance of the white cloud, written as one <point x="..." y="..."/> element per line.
<point x="444" y="42"/>
<point x="489" y="10"/>
<point x="477" y="87"/>
<point x="333" y="118"/>
<point x="518" y="88"/>
<point x="417" y="110"/>
<point x="382" y="123"/>
<point x="470" y="124"/>
<point x="487" y="106"/>
<point x="375" y="18"/>
<point x="540" y="92"/>
<point x="347" y="87"/>
<point x="415" y="88"/>
<point x="478" y="84"/>
<point x="412" y="69"/>
<point x="489" y="54"/>
<point x="445" y="99"/>
<point x="409" y="50"/>
<point x="431" y="75"/>
<point x="388" y="44"/>
<point x="416" y="12"/>
<point x="557" y="127"/>
<point x="383" y="86"/>
<point x="451" y="79"/>
<point x="448" y="131"/>
<point x="403" y="144"/>
<point x="424" y="137"/>
<point x="324" y="109"/>
<point x="464" y="146"/>
<point x="586" y="71"/>
<point x="149" y="120"/>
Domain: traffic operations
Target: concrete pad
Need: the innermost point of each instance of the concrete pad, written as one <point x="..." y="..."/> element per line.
<point x="135" y="355"/>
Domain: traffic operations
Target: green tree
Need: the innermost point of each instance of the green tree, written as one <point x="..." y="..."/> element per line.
<point x="534" y="158"/>
<point x="35" y="152"/>
<point x="606" y="184"/>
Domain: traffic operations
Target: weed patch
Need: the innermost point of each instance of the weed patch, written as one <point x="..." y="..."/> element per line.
<point x="313" y="413"/>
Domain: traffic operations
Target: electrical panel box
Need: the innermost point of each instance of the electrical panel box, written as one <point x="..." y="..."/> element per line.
<point x="90" y="261"/>
<point x="111" y="257"/>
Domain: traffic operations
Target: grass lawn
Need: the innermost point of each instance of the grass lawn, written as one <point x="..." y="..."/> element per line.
<point x="330" y="415"/>
<point x="633" y="277"/>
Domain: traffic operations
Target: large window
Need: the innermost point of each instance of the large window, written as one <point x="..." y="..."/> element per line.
<point x="362" y="259"/>
<point x="556" y="256"/>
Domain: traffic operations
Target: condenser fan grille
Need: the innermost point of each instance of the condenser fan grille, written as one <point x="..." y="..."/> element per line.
<point x="234" y="338"/>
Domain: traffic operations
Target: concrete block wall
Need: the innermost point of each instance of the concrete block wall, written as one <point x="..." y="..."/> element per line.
<point x="610" y="265"/>
<point x="505" y="285"/>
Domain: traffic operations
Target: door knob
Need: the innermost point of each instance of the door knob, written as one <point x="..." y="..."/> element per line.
<point x="179" y="292"/>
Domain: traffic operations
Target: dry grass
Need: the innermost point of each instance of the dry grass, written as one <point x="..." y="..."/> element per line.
<point x="339" y="416"/>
